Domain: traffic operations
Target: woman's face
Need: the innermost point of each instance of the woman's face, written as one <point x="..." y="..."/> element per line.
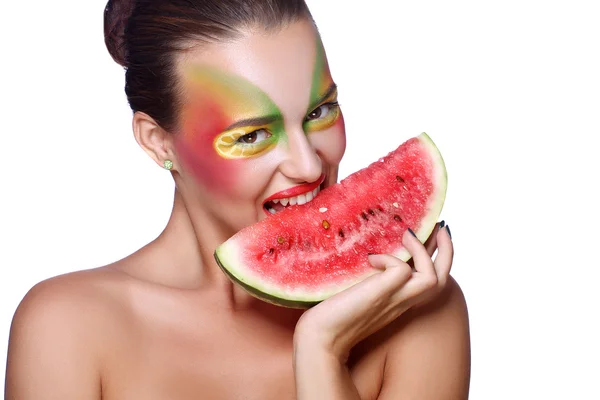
<point x="260" y="128"/>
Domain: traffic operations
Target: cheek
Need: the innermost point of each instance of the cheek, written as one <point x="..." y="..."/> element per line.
<point x="195" y="150"/>
<point x="331" y="142"/>
<point x="207" y="168"/>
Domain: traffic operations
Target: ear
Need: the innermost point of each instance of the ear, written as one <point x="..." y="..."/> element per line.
<point x="155" y="141"/>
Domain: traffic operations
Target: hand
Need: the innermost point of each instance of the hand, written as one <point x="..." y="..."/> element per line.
<point x="340" y="322"/>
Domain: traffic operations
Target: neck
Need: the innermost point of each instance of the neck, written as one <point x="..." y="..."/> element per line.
<point x="185" y="248"/>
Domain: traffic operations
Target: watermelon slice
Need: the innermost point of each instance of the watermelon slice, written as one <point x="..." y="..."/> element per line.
<point x="306" y="253"/>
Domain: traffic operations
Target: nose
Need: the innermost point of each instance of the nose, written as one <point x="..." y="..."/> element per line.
<point x="302" y="163"/>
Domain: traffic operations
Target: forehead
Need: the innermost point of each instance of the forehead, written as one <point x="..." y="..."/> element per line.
<point x="281" y="64"/>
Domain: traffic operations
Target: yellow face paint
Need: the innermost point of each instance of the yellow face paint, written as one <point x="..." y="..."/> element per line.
<point x="239" y="118"/>
<point x="325" y="115"/>
<point x="248" y="141"/>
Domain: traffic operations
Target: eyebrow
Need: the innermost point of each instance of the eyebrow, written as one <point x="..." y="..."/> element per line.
<point x="330" y="90"/>
<point x="268" y="119"/>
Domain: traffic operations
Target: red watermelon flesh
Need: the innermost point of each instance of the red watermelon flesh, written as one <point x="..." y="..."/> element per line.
<point x="306" y="253"/>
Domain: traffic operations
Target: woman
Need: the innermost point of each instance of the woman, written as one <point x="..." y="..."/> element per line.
<point x="235" y="98"/>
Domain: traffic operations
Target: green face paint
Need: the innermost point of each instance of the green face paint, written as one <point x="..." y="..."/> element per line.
<point x="225" y="120"/>
<point x="323" y="111"/>
<point x="240" y="119"/>
<point x="232" y="136"/>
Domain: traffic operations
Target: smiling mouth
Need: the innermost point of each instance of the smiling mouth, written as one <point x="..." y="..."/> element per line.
<point x="277" y="203"/>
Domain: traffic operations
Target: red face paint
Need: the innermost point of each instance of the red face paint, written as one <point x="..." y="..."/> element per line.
<point x="217" y="100"/>
<point x="204" y="120"/>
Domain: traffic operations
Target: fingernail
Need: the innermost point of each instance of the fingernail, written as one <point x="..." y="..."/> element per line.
<point x="411" y="232"/>
<point x="448" y="230"/>
<point x="442" y="224"/>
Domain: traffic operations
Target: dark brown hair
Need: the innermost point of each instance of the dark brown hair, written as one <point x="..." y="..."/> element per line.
<point x="144" y="36"/>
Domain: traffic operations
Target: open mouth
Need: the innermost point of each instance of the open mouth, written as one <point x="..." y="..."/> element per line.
<point x="278" y="202"/>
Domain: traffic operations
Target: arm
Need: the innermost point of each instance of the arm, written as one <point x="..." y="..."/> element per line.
<point x="428" y="357"/>
<point x="49" y="354"/>
<point x="321" y="375"/>
<point x="326" y="333"/>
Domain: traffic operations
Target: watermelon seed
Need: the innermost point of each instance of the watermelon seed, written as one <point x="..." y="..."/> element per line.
<point x="399" y="179"/>
<point x="341" y="233"/>
<point x="280" y="240"/>
<point x="397" y="218"/>
<point x="379" y="208"/>
<point x="395" y="205"/>
<point x="271" y="250"/>
<point x="371" y="212"/>
<point x="326" y="224"/>
<point x="365" y="216"/>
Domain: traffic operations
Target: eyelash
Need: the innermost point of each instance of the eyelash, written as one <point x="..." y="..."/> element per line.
<point x="332" y="104"/>
<point x="241" y="141"/>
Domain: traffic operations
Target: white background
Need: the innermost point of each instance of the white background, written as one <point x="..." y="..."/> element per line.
<point x="509" y="91"/>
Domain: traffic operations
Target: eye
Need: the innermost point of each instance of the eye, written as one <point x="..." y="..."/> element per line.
<point x="254" y="137"/>
<point x="321" y="111"/>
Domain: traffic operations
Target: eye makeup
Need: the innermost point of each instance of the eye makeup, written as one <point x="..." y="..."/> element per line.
<point x="326" y="114"/>
<point x="248" y="141"/>
<point x="245" y="107"/>
<point x="323" y="111"/>
<point x="224" y="121"/>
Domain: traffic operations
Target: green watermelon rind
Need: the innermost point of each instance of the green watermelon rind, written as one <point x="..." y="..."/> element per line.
<point x="264" y="295"/>
<point x="227" y="255"/>
<point x="440" y="178"/>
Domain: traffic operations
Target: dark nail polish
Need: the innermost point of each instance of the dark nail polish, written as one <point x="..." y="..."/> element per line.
<point x="411" y="232"/>
<point x="442" y="224"/>
<point x="448" y="230"/>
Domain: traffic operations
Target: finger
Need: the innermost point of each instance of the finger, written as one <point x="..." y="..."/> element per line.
<point x="374" y="292"/>
<point x="396" y="272"/>
<point x="422" y="261"/>
<point x="424" y="278"/>
<point x="431" y="242"/>
<point x="445" y="255"/>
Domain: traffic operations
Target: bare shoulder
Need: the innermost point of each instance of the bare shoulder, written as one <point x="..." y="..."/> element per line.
<point x="428" y="350"/>
<point x="57" y="335"/>
<point x="72" y="299"/>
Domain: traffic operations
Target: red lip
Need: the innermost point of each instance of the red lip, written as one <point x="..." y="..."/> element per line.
<point x="296" y="190"/>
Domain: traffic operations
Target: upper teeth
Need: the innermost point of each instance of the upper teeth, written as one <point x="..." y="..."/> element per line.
<point x="300" y="199"/>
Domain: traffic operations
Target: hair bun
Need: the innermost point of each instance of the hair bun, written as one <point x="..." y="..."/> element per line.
<point x="116" y="15"/>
